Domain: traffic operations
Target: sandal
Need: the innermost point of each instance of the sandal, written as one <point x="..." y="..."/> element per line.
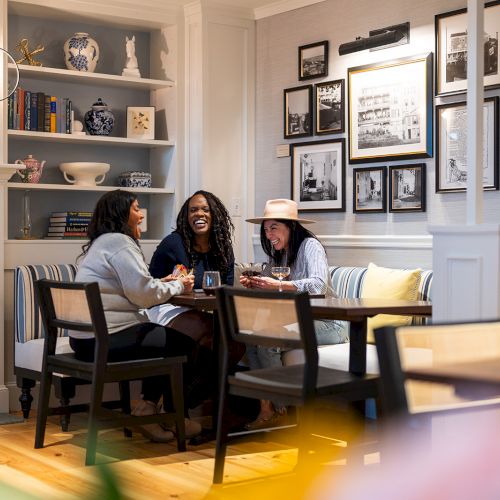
<point x="277" y="419"/>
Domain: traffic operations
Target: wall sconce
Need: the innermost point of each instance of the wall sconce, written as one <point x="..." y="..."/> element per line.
<point x="383" y="38"/>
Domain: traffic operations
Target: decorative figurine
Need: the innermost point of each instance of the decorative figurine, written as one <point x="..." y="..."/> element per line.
<point x="131" y="67"/>
<point x="28" y="54"/>
<point x="81" y="52"/>
<point x="99" y="120"/>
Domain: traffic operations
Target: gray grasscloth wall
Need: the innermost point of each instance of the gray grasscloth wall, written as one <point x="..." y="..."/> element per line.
<point x="340" y="21"/>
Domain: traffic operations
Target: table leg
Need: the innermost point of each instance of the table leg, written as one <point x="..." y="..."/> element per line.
<point x="357" y="346"/>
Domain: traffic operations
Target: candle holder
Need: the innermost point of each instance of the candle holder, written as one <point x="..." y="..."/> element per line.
<point x="25" y="229"/>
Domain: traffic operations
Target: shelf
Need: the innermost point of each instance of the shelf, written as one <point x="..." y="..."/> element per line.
<point x="71" y="187"/>
<point x="67" y="75"/>
<point x="95" y="139"/>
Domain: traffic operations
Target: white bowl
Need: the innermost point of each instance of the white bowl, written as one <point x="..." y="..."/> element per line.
<point x="84" y="173"/>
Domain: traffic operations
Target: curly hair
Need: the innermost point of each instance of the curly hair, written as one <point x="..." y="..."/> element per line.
<point x="298" y="233"/>
<point x="221" y="233"/>
<point x="111" y="215"/>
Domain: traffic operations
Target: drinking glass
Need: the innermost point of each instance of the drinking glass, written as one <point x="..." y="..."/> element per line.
<point x="211" y="281"/>
<point x="281" y="273"/>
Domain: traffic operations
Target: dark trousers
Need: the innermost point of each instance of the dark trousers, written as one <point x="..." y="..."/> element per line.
<point x="149" y="340"/>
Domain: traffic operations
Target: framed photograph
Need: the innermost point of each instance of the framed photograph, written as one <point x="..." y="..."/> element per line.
<point x="451" y="49"/>
<point x="369" y="189"/>
<point x="407" y="188"/>
<point x="313" y="60"/>
<point x="329" y="107"/>
<point x="141" y="122"/>
<point x="390" y="110"/>
<point x="451" y="146"/>
<point x="318" y="175"/>
<point x="297" y="107"/>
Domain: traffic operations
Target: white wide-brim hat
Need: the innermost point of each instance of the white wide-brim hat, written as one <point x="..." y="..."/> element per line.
<point x="281" y="209"/>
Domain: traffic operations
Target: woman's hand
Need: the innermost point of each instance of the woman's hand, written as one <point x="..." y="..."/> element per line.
<point x="245" y="281"/>
<point x="188" y="282"/>
<point x="169" y="278"/>
<point x="263" y="283"/>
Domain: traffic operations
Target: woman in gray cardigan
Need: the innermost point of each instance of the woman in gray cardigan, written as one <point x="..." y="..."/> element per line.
<point x="113" y="258"/>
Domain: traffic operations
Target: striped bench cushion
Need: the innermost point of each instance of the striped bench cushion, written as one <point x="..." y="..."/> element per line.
<point x="27" y="318"/>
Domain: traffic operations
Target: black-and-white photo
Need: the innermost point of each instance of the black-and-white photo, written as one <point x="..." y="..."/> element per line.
<point x="298" y="111"/>
<point x="369" y="189"/>
<point x="330" y="107"/>
<point x="318" y="175"/>
<point x="318" y="172"/>
<point x="451" y="49"/>
<point x="451" y="146"/>
<point x="456" y="56"/>
<point x="313" y="60"/>
<point x="407" y="188"/>
<point x="389" y="110"/>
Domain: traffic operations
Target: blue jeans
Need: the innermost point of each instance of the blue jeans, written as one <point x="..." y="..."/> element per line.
<point x="327" y="332"/>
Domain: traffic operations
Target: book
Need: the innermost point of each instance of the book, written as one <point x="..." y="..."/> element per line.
<point x="75" y="213"/>
<point x="27" y="110"/>
<point x="69" y="114"/>
<point x="68" y="229"/>
<point x="40" y="111"/>
<point x="70" y="220"/>
<point x="46" y="122"/>
<point x="53" y="117"/>
<point x="33" y="111"/>
<point x="20" y="110"/>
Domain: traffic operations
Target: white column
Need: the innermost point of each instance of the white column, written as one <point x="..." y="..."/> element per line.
<point x="466" y="258"/>
<point x="220" y="110"/>
<point x="6" y="172"/>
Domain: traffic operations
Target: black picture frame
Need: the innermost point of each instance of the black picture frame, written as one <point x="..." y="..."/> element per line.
<point x="329" y="98"/>
<point x="313" y="60"/>
<point x="369" y="190"/>
<point x="451" y="139"/>
<point x="450" y="32"/>
<point x="318" y="175"/>
<point x="407" y="188"/>
<point x="390" y="110"/>
<point x="297" y="111"/>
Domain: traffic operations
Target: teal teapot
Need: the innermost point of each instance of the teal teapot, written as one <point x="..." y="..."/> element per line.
<point x="32" y="170"/>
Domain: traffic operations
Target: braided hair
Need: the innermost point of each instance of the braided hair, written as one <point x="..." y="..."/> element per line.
<point x="111" y="215"/>
<point x="221" y="232"/>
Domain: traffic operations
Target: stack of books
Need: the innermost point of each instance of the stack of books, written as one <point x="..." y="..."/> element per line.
<point x="67" y="225"/>
<point x="39" y="112"/>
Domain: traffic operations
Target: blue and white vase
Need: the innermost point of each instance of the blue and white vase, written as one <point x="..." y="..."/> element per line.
<point x="99" y="120"/>
<point x="81" y="52"/>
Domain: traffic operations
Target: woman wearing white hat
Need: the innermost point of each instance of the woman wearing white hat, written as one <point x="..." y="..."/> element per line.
<point x="288" y="243"/>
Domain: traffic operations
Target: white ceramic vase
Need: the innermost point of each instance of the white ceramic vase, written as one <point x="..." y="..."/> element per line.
<point x="81" y="52"/>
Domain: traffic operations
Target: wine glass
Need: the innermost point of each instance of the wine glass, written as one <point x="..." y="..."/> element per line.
<point x="211" y="281"/>
<point x="280" y="272"/>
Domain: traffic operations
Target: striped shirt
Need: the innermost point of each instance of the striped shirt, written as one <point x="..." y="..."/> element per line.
<point x="310" y="273"/>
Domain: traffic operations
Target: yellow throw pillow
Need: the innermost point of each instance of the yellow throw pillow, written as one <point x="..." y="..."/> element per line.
<point x="386" y="283"/>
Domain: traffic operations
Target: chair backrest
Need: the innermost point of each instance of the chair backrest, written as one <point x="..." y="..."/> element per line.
<point x="75" y="307"/>
<point x="269" y="319"/>
<point x="419" y="347"/>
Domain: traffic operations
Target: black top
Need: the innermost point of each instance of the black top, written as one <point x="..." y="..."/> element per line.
<point x="171" y="251"/>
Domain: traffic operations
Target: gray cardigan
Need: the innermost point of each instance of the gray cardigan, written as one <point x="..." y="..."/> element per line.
<point x="117" y="264"/>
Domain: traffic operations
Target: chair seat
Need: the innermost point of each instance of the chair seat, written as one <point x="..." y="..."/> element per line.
<point x="288" y="380"/>
<point x="121" y="370"/>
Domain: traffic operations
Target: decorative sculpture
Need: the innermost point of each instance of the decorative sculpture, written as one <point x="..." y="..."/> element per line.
<point x="131" y="67"/>
<point x="28" y="54"/>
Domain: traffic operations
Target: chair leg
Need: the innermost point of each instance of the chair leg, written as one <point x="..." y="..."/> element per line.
<point x="26" y="398"/>
<point x="95" y="406"/>
<point x="65" y="390"/>
<point x="221" y="439"/>
<point x="176" y="385"/>
<point x="124" y="386"/>
<point x="305" y="423"/>
<point x="43" y="408"/>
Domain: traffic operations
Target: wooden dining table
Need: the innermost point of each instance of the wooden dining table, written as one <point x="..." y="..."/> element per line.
<point x="356" y="311"/>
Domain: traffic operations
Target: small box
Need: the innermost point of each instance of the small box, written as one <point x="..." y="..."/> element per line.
<point x="135" y="179"/>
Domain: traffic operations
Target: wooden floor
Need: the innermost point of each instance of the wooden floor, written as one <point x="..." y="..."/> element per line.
<point x="139" y="469"/>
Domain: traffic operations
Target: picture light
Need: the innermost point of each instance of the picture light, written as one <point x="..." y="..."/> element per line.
<point x="390" y="36"/>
